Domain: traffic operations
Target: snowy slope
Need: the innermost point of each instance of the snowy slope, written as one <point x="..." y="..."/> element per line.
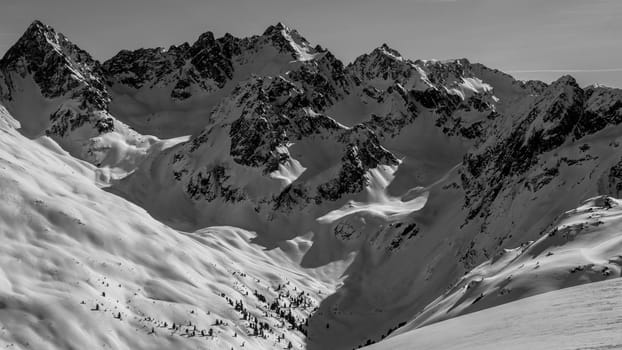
<point x="583" y="317"/>
<point x="84" y="269"/>
<point x="398" y="181"/>
<point x="56" y="89"/>
<point x="583" y="246"/>
<point x="266" y="154"/>
<point x="171" y="92"/>
<point x="470" y="163"/>
<point x="471" y="215"/>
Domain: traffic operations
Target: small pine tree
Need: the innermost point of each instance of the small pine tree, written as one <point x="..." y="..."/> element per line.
<point x="289" y="346"/>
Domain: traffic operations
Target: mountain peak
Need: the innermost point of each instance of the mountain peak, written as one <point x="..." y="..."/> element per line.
<point x="40" y="39"/>
<point x="37" y="31"/>
<point x="57" y="65"/>
<point x="277" y="28"/>
<point x="386" y="50"/>
<point x="37" y="38"/>
<point x="205" y="38"/>
<point x="291" y="40"/>
<point x="386" y="47"/>
<point x="38" y="26"/>
<point x="566" y="80"/>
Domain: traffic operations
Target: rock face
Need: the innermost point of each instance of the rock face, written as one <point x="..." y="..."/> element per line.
<point x="554" y="261"/>
<point x="205" y="66"/>
<point x="559" y="148"/>
<point x="56" y="89"/>
<point x="424" y="169"/>
<point x="549" y="122"/>
<point x="59" y="69"/>
<point x="198" y="76"/>
<point x="56" y="65"/>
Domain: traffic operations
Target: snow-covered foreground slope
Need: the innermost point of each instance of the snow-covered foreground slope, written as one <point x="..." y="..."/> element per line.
<point x="83" y="269"/>
<point x="582" y="317"/>
<point x="583" y="246"/>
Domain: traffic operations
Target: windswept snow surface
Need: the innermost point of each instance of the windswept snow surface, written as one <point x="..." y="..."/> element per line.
<point x="84" y="269"/>
<point x="379" y="203"/>
<point x="583" y="317"/>
<point x="583" y="246"/>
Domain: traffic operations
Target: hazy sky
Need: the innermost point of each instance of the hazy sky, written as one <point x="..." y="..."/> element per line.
<point x="541" y="39"/>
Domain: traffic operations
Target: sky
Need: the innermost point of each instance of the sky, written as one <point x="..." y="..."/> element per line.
<point x="530" y="39"/>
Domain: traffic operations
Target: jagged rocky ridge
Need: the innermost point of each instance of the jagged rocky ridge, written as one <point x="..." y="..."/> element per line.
<point x="209" y="63"/>
<point x="59" y="68"/>
<point x="57" y="89"/>
<point x="282" y="133"/>
<point x="197" y="77"/>
<point x="273" y="114"/>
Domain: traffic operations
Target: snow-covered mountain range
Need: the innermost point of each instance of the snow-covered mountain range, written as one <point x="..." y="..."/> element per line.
<point x="259" y="192"/>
